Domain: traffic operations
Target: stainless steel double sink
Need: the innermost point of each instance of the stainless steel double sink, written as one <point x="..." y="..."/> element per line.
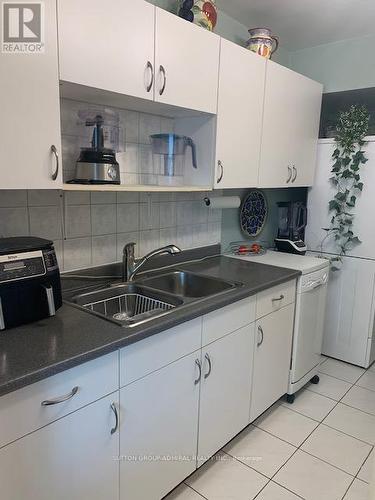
<point x="134" y="303"/>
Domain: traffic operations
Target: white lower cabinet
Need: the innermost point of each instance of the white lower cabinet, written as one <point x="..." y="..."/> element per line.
<point x="73" y="458"/>
<point x="272" y="354"/>
<point x="158" y="443"/>
<point x="225" y="390"/>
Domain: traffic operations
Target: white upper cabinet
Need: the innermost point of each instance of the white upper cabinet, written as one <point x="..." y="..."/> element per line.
<point x="292" y="105"/>
<point x="186" y="63"/>
<point x="240" y="113"/>
<point x="108" y="45"/>
<point x="29" y="104"/>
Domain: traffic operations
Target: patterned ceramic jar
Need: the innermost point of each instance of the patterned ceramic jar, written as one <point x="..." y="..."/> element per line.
<point x="262" y="42"/>
<point x="203" y="13"/>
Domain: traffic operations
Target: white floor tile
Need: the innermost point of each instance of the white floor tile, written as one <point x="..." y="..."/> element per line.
<point x="358" y="491"/>
<point x="331" y="387"/>
<point x="338" y="449"/>
<point x="226" y="479"/>
<point x="313" y="479"/>
<point x="372" y="367"/>
<point x="259" y="450"/>
<point x="354" y="422"/>
<point x="275" y="492"/>
<point x="341" y="370"/>
<point x="367" y="380"/>
<point x="367" y="469"/>
<point x="311" y="404"/>
<point x="183" y="492"/>
<point x="286" y="424"/>
<point x="361" y="398"/>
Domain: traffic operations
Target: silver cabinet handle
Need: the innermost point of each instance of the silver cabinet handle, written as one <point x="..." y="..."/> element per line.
<point x="56" y="154"/>
<point x="163" y="72"/>
<point x="208" y="359"/>
<point x="114" y="409"/>
<point x="278" y="298"/>
<point x="199" y="365"/>
<point x="151" y="68"/>
<point x="295" y="173"/>
<point x="60" y="399"/>
<point x="221" y="174"/>
<point x="290" y="174"/>
<point x="260" y="330"/>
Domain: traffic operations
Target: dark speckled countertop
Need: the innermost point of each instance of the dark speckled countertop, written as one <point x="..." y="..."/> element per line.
<point x="38" y="350"/>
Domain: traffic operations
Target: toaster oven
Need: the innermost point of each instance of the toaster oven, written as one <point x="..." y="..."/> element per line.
<point x="30" y="286"/>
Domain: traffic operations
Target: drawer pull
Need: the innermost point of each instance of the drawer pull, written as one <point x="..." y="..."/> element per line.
<point x="260" y="331"/>
<point x="61" y="399"/>
<point x="278" y="298"/>
<point x="198" y="364"/>
<point x="208" y="359"/>
<point x="114" y="409"/>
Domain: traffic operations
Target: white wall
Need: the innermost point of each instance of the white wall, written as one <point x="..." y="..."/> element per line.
<point x="344" y="65"/>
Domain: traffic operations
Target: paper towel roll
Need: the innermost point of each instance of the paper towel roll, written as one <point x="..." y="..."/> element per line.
<point x="223" y="202"/>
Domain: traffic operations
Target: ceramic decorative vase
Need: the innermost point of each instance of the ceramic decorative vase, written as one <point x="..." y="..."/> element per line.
<point x="262" y="42"/>
<point x="203" y="13"/>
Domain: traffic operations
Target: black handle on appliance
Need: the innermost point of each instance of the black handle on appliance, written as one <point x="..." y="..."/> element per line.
<point x="50" y="300"/>
<point x="189" y="142"/>
<point x="2" y="321"/>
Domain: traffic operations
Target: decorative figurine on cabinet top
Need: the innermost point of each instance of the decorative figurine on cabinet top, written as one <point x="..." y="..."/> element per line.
<point x="262" y="42"/>
<point x="203" y="13"/>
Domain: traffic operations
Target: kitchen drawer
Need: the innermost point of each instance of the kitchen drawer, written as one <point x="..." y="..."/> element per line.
<point x="151" y="354"/>
<point x="21" y="411"/>
<point x="275" y="298"/>
<point x="227" y="319"/>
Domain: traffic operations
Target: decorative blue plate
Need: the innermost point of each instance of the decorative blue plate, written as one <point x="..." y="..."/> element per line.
<point x="253" y="214"/>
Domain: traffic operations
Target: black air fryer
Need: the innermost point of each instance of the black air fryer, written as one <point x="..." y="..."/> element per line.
<point x="30" y="287"/>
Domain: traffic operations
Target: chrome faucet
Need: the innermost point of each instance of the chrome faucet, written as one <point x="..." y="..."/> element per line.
<point x="131" y="265"/>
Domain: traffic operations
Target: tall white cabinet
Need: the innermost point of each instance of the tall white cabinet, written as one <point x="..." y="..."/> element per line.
<point x="30" y="145"/>
<point x="239" y="120"/>
<point x="290" y="128"/>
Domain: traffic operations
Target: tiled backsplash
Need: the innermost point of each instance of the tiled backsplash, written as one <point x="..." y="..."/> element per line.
<point x="136" y="161"/>
<point x="98" y="225"/>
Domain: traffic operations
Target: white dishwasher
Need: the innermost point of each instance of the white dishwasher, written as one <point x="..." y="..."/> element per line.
<point x="309" y="314"/>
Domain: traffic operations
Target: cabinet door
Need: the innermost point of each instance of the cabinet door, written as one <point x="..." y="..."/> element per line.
<point x="186" y="63"/>
<point x="107" y="45"/>
<point x="272" y="355"/>
<point x="73" y="458"/>
<point x="29" y="104"/>
<point x="290" y="128"/>
<point x="159" y="426"/>
<point x="240" y="113"/>
<point x="225" y="390"/>
<point x="350" y="311"/>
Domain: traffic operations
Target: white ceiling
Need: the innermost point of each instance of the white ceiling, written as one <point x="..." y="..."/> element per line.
<point x="305" y="23"/>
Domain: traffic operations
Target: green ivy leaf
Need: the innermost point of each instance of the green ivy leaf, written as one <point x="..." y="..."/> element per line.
<point x="359" y="186"/>
<point x="333" y="205"/>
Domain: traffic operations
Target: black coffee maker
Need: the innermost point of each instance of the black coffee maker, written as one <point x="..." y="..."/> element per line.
<point x="292" y="224"/>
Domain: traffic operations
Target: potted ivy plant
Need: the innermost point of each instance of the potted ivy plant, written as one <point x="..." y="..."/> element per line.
<point x="348" y="159"/>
